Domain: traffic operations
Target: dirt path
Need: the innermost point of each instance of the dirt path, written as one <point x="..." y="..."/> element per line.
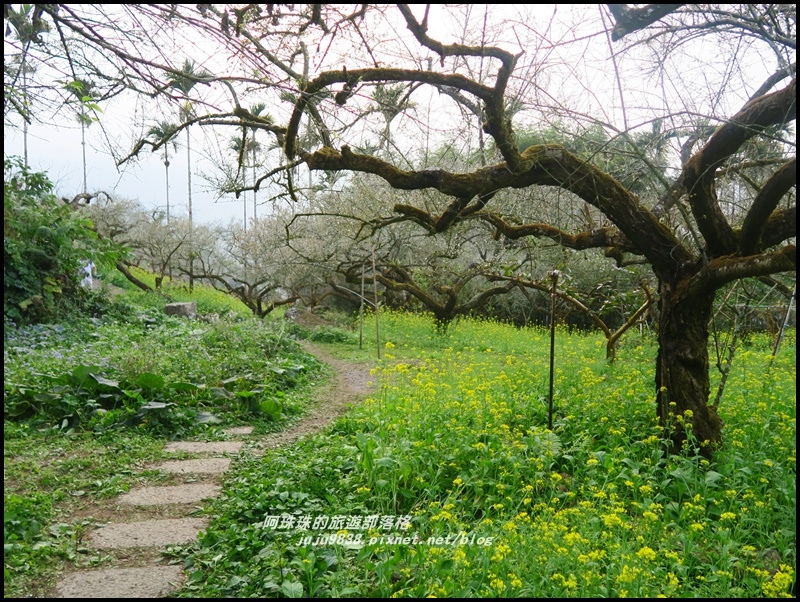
<point x="350" y="385"/>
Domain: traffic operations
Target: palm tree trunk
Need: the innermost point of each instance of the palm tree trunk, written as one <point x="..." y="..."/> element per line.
<point x="166" y="177"/>
<point x="83" y="149"/>
<point x="191" y="222"/>
<point x="255" y="210"/>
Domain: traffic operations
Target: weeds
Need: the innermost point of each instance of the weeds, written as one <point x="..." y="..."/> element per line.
<point x="456" y="441"/>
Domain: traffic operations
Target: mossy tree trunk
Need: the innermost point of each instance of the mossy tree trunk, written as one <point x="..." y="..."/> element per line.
<point x="682" y="370"/>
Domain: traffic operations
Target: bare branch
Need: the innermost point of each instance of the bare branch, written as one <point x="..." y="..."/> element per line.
<point x="699" y="173"/>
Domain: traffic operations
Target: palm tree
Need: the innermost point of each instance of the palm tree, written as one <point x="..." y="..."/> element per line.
<point x="242" y="149"/>
<point x="28" y="28"/>
<point x="161" y="131"/>
<point x="257" y="110"/>
<point x="184" y="80"/>
<point x="85" y="92"/>
<point x="251" y="147"/>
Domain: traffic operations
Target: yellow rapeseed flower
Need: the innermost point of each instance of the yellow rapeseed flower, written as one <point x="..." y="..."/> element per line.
<point x="778" y="586"/>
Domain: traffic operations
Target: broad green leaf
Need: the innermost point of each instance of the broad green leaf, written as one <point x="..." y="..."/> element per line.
<point x="106" y="382"/>
<point x="271" y="407"/>
<point x="182" y="386"/>
<point x="292" y="589"/>
<point x="221" y="393"/>
<point x="81" y="374"/>
<point x="148" y="380"/>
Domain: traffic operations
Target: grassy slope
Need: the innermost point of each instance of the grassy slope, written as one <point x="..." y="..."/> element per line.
<point x="455" y="443"/>
<point x="66" y="455"/>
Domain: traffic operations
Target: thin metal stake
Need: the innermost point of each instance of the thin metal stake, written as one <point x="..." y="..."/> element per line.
<point x="554" y="276"/>
<point x="361" y="311"/>
<point x="375" y="290"/>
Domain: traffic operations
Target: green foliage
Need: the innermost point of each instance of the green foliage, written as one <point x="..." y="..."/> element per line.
<point x="45" y="244"/>
<point x="330" y="334"/>
<point x="46" y="477"/>
<point x="86" y="400"/>
<point x="456" y="440"/>
<point x="154" y="372"/>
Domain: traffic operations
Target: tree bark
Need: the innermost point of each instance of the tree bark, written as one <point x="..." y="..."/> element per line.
<point x="131" y="278"/>
<point x="682" y="371"/>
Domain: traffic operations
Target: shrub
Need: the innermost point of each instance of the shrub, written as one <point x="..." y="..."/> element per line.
<point x="45" y="243"/>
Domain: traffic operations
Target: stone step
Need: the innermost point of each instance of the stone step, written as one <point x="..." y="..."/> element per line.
<point x="154" y="581"/>
<point x="239" y="430"/>
<point x="201" y="466"/>
<point x="150" y="533"/>
<point x="207" y="447"/>
<point x="170" y="494"/>
<point x="145" y="582"/>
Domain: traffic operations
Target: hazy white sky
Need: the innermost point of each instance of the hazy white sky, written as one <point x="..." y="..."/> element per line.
<point x="57" y="150"/>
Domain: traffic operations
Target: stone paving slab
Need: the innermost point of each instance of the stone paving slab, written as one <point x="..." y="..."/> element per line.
<point x="146" y="582"/>
<point x="201" y="466"/>
<point x="170" y="494"/>
<point x="239" y="430"/>
<point x="210" y="447"/>
<point x="151" y="533"/>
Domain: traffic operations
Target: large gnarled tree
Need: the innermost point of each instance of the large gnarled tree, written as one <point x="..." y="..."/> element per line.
<point x="688" y="275"/>
<point x="319" y="65"/>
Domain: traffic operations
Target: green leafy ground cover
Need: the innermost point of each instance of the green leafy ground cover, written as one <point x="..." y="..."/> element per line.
<point x="87" y="404"/>
<point x="455" y="443"/>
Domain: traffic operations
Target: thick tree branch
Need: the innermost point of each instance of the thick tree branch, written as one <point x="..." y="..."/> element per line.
<point x="764" y="204"/>
<point x="444" y="50"/>
<point x="630" y="19"/>
<point x="377" y="75"/>
<point x="131" y="278"/>
<point x="599" y="238"/>
<point x="722" y="270"/>
<point x="780" y="227"/>
<point x="497" y="124"/>
<point x="547" y="165"/>
<point x="699" y="173"/>
<point x="773" y="79"/>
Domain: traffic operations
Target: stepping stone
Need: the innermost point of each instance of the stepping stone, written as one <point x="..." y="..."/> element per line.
<point x="239" y="430"/>
<point x="202" y="466"/>
<point x="150" y="533"/>
<point x="173" y="494"/>
<point x="146" y="582"/>
<point x="211" y="447"/>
